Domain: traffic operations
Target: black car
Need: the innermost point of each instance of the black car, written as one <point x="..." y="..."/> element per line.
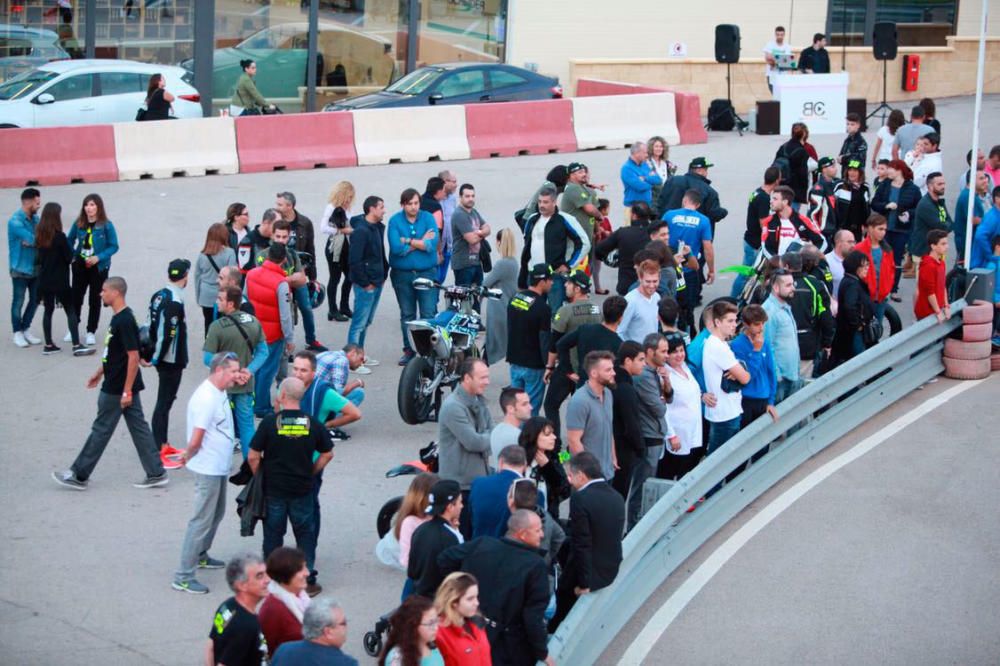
<point x="457" y="83"/>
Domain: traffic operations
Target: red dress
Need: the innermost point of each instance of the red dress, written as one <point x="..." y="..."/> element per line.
<point x="463" y="646"/>
<point x="930" y="280"/>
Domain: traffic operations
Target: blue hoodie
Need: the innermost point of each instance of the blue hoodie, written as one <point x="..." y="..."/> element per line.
<point x="21" y="243"/>
<point x="402" y="256"/>
<point x="638" y="180"/>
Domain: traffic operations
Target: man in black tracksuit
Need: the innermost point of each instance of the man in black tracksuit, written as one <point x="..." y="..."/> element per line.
<point x="627" y="240"/>
<point x="813" y="318"/>
<point x="168" y="333"/>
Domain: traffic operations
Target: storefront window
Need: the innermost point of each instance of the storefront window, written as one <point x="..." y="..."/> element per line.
<point x="461" y="30"/>
<point x="918" y="22"/>
<point x="34" y="32"/>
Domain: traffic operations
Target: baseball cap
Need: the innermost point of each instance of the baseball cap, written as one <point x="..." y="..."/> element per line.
<point x="700" y="163"/>
<point x="854" y="164"/>
<point x="538" y="273"/>
<point x="178" y="268"/>
<point x="824" y="162"/>
<point x="442" y="494"/>
<point x="580" y="279"/>
<point x="575" y="166"/>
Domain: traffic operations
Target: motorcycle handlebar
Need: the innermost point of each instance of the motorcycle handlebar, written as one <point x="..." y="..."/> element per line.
<point x="475" y="290"/>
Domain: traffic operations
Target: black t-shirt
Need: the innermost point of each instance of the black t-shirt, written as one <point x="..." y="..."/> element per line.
<point x="158" y="108"/>
<point x="587" y="338"/>
<point x="429" y="203"/>
<point x="236" y="636"/>
<point x="528" y="316"/>
<point x="758" y="208"/>
<point x="122" y="337"/>
<point x="288" y="440"/>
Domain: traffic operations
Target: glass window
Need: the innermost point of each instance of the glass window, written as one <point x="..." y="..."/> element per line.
<point x="72" y="87"/>
<point x="119" y="83"/>
<point x="32" y="35"/>
<point x="25" y="84"/>
<point x="12" y="47"/>
<point x="462" y="30"/>
<point x="501" y="79"/>
<point x="465" y="82"/>
<point x="416" y="82"/>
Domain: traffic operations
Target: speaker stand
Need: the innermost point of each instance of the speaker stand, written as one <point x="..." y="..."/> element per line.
<point x="738" y="122"/>
<point x="884" y="108"/>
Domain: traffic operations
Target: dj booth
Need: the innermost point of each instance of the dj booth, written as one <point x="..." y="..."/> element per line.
<point x="818" y="100"/>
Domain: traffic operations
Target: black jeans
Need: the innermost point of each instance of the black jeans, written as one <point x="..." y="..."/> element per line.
<point x="170" y="380"/>
<point x="338" y="269"/>
<point x="560" y="388"/>
<point x="88" y="281"/>
<point x="209" y="316"/>
<point x="65" y="298"/>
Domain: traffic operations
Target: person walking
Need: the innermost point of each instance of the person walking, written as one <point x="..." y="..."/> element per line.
<point x="502" y="277"/>
<point x="236" y="637"/>
<point x="168" y="335"/>
<point x="54" y="259"/>
<point x="118" y="397"/>
<point x="247" y="100"/>
<point x="158" y="99"/>
<point x="336" y="224"/>
<point x="413" y="239"/>
<point x="283" y="610"/>
<point x="268" y="292"/>
<point x="368" y="268"/>
<point x="468" y="231"/>
<point x="215" y="254"/>
<point x="208" y="457"/>
<point x="855" y="311"/>
<point x="94" y="242"/>
<point x="21" y="255"/>
<point x="528" y="320"/>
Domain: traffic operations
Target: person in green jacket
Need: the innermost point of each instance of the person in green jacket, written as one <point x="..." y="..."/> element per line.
<point x="247" y="100"/>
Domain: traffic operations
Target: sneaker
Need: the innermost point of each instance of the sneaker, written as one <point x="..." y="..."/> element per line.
<point x="68" y="479"/>
<point x="312" y="589"/>
<point x="405" y="358"/>
<point x="316" y="346"/>
<point x="90" y="341"/>
<point x="190" y="586"/>
<point x="371" y="363"/>
<point x="171" y="451"/>
<point x="32" y="338"/>
<point x="338" y="435"/>
<point x="209" y="562"/>
<point x="81" y="350"/>
<point x="20" y="340"/>
<point x="362" y="370"/>
<point x="50" y="349"/>
<point x="152" y="481"/>
<point x="68" y="337"/>
<point x="169" y="462"/>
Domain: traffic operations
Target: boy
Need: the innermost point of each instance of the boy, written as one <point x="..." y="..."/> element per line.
<point x="854" y="147"/>
<point x="994" y="263"/>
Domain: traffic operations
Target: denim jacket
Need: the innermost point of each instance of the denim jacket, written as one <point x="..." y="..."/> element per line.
<point x="105" y="242"/>
<point x="21" y="243"/>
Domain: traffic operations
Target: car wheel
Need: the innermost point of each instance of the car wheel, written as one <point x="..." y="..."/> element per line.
<point x="8" y="126"/>
<point x="977" y="332"/>
<point x="962" y="369"/>
<point x="967" y="351"/>
<point x="980" y="312"/>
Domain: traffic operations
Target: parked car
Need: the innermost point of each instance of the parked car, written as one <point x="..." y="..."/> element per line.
<point x="457" y="83"/>
<point x="24" y="48"/>
<point x="90" y="92"/>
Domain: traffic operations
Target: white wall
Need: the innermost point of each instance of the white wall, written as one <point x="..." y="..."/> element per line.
<point x="969" y="15"/>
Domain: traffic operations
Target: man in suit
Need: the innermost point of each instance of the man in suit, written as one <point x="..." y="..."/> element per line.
<point x="488" y="496"/>
<point x="596" y="523"/>
<point x="434" y="537"/>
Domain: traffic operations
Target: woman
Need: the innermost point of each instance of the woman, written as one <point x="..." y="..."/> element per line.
<point x="897" y="200"/>
<point x="855" y="311"/>
<point x="94" y="242"/>
<point x="602" y="229"/>
<point x="412" y="630"/>
<point x="247" y="100"/>
<point x="853" y="200"/>
<point x="502" y="277"/>
<point x="336" y="225"/>
<point x="237" y="223"/>
<point x="798" y="162"/>
<point x="410" y="516"/>
<point x="54" y="258"/>
<point x="538" y="439"/>
<point x="659" y="151"/>
<point x="886" y="136"/>
<point x="215" y="255"/>
<point x="684" y="413"/>
<point x="930" y="114"/>
<point x="281" y="613"/>
<point x="668" y="268"/>
<point x="158" y="100"/>
<point x="462" y="642"/>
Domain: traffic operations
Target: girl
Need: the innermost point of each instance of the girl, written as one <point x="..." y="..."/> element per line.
<point x="461" y="641"/>
<point x="158" y="100"/>
<point x="54" y="258"/>
<point x="94" y="241"/>
<point x="410" y="516"/>
<point x="602" y="231"/>
<point x="413" y="628"/>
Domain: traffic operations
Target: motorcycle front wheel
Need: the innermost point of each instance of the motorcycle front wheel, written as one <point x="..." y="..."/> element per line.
<point x="414" y="402"/>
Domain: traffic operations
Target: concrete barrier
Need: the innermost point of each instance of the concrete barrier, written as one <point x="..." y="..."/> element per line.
<point x="412" y="134"/>
<point x="520" y="128"/>
<point x="619" y="120"/>
<point x="57" y="156"/>
<point x="299" y="141"/>
<point x="687" y="105"/>
<point x="195" y="147"/>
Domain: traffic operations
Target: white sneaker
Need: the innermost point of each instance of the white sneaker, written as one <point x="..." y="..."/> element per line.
<point x="371" y="363"/>
<point x="68" y="337"/>
<point x="91" y="340"/>
<point x="362" y="370"/>
<point x="20" y="341"/>
<point x="32" y="338"/>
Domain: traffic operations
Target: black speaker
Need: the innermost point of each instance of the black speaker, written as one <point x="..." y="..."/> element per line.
<point x="768" y="117"/>
<point x="727" y="43"/>
<point x="859" y="105"/>
<point x="884" y="41"/>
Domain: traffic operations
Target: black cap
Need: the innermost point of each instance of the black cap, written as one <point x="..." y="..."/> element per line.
<point x="575" y="166"/>
<point x="824" y="162"/>
<point x="580" y="279"/>
<point x="442" y="494"/>
<point x="700" y="163"/>
<point x="538" y="273"/>
<point x="178" y="269"/>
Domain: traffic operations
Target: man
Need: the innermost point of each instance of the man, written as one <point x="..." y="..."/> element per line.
<point x="119" y="396"/>
<point x="672" y="196"/>
<point x="641" y="314"/>
<point x="626" y="241"/>
<point x="881" y="274"/>
<point x="822" y="197"/>
<point x="413" y="240"/>
<point x="772" y="50"/>
<point x="333" y="368"/>
<point x="528" y="319"/>
<point x="168" y="334"/>
<point x="931" y="213"/>
<point x="268" y="290"/>
<point x="208" y="457"/>
<point x="854" y="148"/>
<point x="468" y="230"/>
<point x="257" y="241"/>
<point x="320" y="400"/>
<point x="992" y="165"/>
<point x="758" y="209"/>
<point x="556" y="240"/>
<point x="21" y="254"/>
<point x="723" y="409"/>
<point x="596" y="522"/>
<point x="693" y="230"/>
<point x="236" y="636"/>
<point x="464" y="426"/>
<point x="448" y="206"/>
<point x="235" y="331"/>
<point x="629" y="445"/>
<point x="435" y="536"/>
<point x="301" y="237"/>
<point x="231" y="276"/>
<point x="488" y="495"/>
<point x="754" y="351"/>
<point x="515" y="588"/>
<point x="815" y="59"/>
<point x="578" y="311"/>
<point x="283" y="450"/>
<point x="962" y="226"/>
<point x="814" y="322"/>
<point x="589" y="417"/>
<point x="985" y="199"/>
<point x="324" y="632"/>
<point x="516" y="409"/>
<point x="786" y="226"/>
<point x="579" y="200"/>
<point x="592" y="337"/>
<point x="929" y="161"/>
<point x="782" y="333"/>
<point x="982" y="241"/>
<point x="368" y="268"/>
<point x="907" y="135"/>
<point x="638" y="179"/>
<point x="843" y="243"/>
<point x="298" y="281"/>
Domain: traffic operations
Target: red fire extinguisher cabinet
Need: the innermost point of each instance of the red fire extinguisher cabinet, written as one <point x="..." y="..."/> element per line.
<point x="911" y="72"/>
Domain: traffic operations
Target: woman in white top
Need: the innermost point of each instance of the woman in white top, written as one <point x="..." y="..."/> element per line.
<point x="659" y="151"/>
<point x="684" y="413"/>
<point x="335" y="223"/>
<point x="886" y="136"/>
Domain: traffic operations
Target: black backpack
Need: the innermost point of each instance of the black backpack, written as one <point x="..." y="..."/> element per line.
<point x="784" y="164"/>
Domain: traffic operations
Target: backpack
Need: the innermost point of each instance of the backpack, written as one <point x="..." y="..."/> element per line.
<point x="783" y="163"/>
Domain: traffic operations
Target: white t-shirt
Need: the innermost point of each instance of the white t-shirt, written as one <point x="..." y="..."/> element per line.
<point x="836" y="270"/>
<point x="538" y="241"/>
<point x="718" y="358"/>
<point x="885" y="150"/>
<point x="775" y="49"/>
<point x="209" y="410"/>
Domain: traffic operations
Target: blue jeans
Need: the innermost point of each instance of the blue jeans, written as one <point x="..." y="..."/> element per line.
<point x="357" y="396"/>
<point x="879" y="311"/>
<point x="242" y="404"/>
<point x="21" y="315"/>
<point x="365" y="303"/>
<point x="301" y="512"/>
<point x="305" y="307"/>
<point x="720" y="432"/>
<point x="749" y="254"/>
<point x="897" y="240"/>
<point x="409" y="298"/>
<point x="531" y="380"/>
<point x="557" y="295"/>
<point x="265" y="377"/>
<point x="469" y="276"/>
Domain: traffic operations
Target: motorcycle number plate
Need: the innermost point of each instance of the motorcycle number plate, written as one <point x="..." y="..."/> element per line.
<point x="463" y="324"/>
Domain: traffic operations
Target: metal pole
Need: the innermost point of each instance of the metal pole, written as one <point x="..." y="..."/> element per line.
<point x="843" y="38"/>
<point x="412" y="36"/>
<point x="311" y="61"/>
<point x="969" y="229"/>
<point x="204" y="52"/>
<point x="90" y="29"/>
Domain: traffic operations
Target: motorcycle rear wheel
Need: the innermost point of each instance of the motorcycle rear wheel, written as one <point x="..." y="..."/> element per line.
<point x="414" y="404"/>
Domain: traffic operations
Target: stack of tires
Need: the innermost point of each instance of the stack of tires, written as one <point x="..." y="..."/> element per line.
<point x="970" y="356"/>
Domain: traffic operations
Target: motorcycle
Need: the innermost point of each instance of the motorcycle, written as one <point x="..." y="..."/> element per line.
<point x="427" y="461"/>
<point x="441" y="345"/>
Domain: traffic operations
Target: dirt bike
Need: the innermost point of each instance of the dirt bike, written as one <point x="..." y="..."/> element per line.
<point x="427" y="461"/>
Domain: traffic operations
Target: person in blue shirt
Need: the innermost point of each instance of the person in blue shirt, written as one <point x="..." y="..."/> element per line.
<point x="324" y="632"/>
<point x="982" y="252"/>
<point x="638" y="179"/>
<point x="23" y="272"/>
<point x="488" y="495"/>
<point x="691" y="233"/>
<point x="413" y="239"/>
<point x="962" y="211"/>
<point x="755" y="351"/>
<point x="782" y="332"/>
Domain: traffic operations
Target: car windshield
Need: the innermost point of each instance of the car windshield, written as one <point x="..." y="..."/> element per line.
<point x="415" y="83"/>
<point x="269" y="38"/>
<point x="25" y="84"/>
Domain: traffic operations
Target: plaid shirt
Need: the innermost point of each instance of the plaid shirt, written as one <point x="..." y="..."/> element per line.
<point x="332" y="367"/>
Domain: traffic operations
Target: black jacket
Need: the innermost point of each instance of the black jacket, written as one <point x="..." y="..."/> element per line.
<point x="303" y="238"/>
<point x="368" y="264"/>
<point x="596" y="522"/>
<point x="673" y="193"/>
<point x="798" y="160"/>
<point x="429" y="540"/>
<point x="628" y="435"/>
<point x="909" y="197"/>
<point x="813" y="318"/>
<point x="815" y="60"/>
<point x="513" y="593"/>
<point x="250" y="503"/>
<point x="628" y="241"/>
<point x="53" y="265"/>
<point x="168" y="329"/>
<point x="247" y="249"/>
<point x="854" y="310"/>
<point x="557" y="238"/>
<point x="852" y="207"/>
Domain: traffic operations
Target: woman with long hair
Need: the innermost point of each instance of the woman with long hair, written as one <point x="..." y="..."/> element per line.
<point x="461" y="641"/>
<point x="215" y="255"/>
<point x="413" y="628"/>
<point x="658" y="160"/>
<point x="795" y="153"/>
<point x="538" y="439"/>
<point x="281" y="613"/>
<point x="930" y="114"/>
<point x="853" y="200"/>
<point x="237" y="223"/>
<point x="412" y="514"/>
<point x="886" y="136"/>
<point x="94" y="242"/>
<point x="854" y="310"/>
<point x="55" y="257"/>
<point x="158" y="99"/>
<point x="336" y="225"/>
<point x="502" y="277"/>
<point x="896" y="198"/>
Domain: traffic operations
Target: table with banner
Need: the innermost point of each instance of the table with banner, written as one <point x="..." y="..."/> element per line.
<point x="818" y="100"/>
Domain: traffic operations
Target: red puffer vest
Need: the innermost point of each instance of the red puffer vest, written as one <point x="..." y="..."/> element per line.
<point x="262" y="290"/>
<point x="886" y="274"/>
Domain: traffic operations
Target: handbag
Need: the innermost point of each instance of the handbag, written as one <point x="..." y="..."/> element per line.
<point x="485" y="256"/>
<point x="387" y="551"/>
<point x="871" y="332"/>
<point x="140" y="115"/>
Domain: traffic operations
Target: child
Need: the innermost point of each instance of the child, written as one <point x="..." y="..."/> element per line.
<point x="931" y="298"/>
<point x="602" y="231"/>
<point x="854" y="147"/>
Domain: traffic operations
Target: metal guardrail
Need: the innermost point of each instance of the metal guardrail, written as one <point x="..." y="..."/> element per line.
<point x="810" y="420"/>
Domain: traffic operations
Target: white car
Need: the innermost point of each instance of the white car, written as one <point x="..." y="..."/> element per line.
<point x="90" y="92"/>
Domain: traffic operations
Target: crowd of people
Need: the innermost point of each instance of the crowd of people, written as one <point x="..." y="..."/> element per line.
<point x="650" y="384"/>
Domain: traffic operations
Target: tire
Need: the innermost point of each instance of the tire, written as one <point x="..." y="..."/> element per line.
<point x="414" y="407"/>
<point x="727" y="299"/>
<point x="962" y="369"/>
<point x="892" y="317"/>
<point x="979" y="312"/>
<point x="977" y="332"/>
<point x="373" y="643"/>
<point x="385" y="515"/>
<point x="967" y="351"/>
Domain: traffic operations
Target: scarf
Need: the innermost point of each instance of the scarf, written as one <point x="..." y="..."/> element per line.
<point x="295" y="604"/>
